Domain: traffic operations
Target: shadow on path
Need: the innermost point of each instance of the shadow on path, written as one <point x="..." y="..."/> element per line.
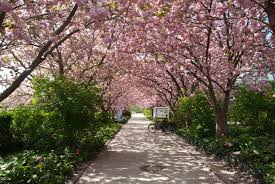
<point x="137" y="156"/>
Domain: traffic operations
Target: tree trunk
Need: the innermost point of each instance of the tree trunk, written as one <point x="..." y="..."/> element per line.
<point x="221" y="122"/>
<point x="221" y="108"/>
<point x="270" y="10"/>
<point x="60" y="63"/>
<point x="188" y="123"/>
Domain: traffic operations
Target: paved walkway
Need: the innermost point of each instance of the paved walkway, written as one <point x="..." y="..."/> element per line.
<point x="137" y="156"/>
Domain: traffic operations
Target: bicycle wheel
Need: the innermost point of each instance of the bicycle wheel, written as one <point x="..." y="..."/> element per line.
<point x="168" y="129"/>
<point x="152" y="128"/>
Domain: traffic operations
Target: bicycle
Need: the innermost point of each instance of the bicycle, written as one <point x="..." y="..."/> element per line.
<point x="160" y="126"/>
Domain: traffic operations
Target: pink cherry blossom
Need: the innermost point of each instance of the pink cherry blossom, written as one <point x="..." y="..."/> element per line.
<point x="5" y="6"/>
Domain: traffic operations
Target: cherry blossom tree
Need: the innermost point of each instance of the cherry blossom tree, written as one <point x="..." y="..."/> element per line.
<point x="215" y="42"/>
<point x="30" y="34"/>
<point x="32" y="31"/>
<point x="140" y="51"/>
<point x="168" y="82"/>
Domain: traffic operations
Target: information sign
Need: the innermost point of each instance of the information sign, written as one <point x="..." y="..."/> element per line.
<point x="161" y="112"/>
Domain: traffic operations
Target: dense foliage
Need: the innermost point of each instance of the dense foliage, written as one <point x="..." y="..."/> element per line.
<point x="64" y="117"/>
<point x="7" y="141"/>
<point x="53" y="166"/>
<point x="136" y="109"/>
<point x="249" y="144"/>
<point x="196" y="114"/>
<point x="74" y="105"/>
<point x="30" y="167"/>
<point x="253" y="108"/>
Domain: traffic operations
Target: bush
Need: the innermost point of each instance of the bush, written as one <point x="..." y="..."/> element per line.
<point x="63" y="115"/>
<point x="183" y="114"/>
<point x="148" y="113"/>
<point x="74" y="105"/>
<point x="7" y="142"/>
<point x="249" y="144"/>
<point x="61" y="109"/>
<point x="196" y="114"/>
<point x="30" y="126"/>
<point x="5" y="135"/>
<point x="253" y="108"/>
<point x="91" y="140"/>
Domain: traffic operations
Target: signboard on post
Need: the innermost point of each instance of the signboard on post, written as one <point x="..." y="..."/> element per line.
<point x="161" y="113"/>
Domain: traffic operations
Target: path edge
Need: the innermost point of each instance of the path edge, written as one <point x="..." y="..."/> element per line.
<point x="212" y="171"/>
<point x="77" y="176"/>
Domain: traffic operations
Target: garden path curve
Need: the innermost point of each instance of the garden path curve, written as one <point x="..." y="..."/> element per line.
<point x="137" y="156"/>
